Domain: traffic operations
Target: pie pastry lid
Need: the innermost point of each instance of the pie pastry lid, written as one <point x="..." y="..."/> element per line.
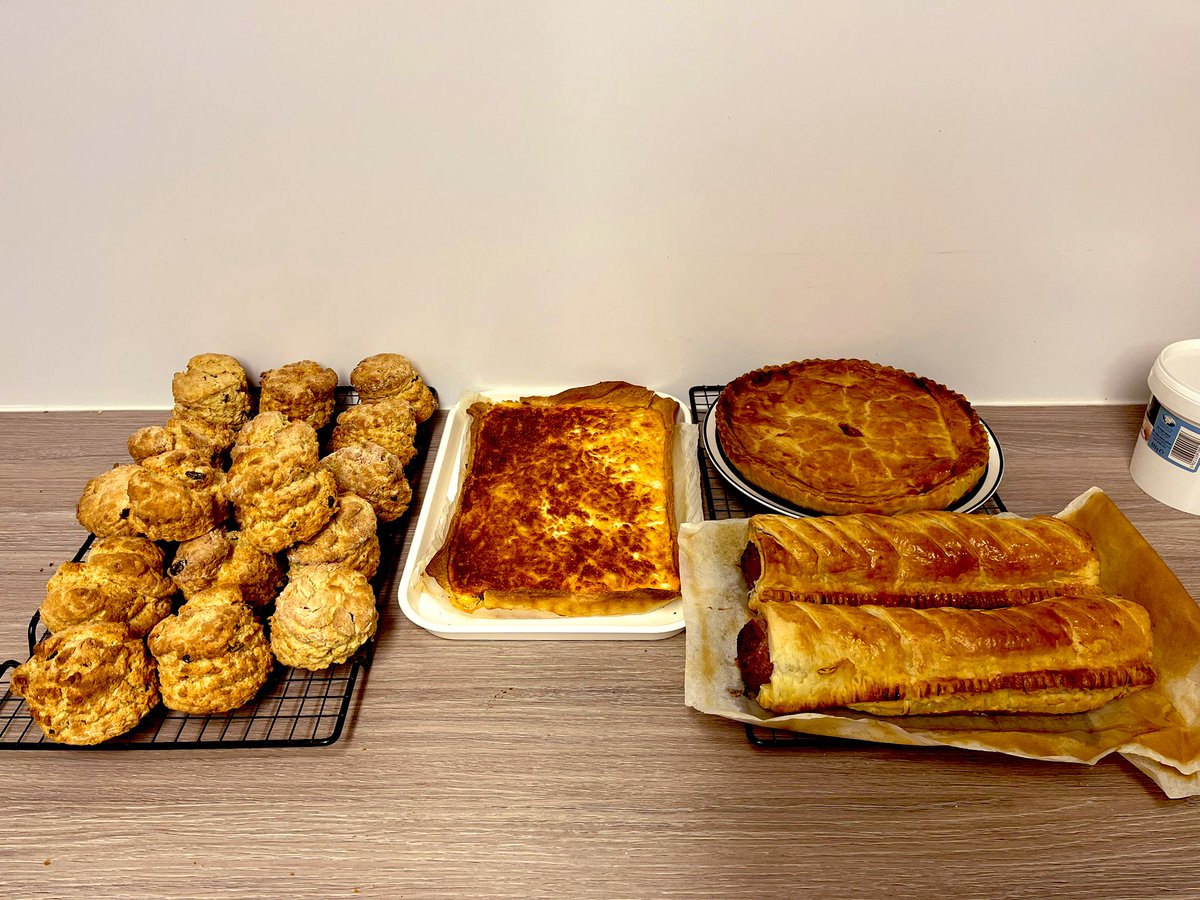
<point x="848" y="435"/>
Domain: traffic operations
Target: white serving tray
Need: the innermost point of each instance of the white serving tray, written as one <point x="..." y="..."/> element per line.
<point x="420" y="597"/>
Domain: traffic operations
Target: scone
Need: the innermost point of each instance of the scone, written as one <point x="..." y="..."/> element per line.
<point x="374" y="474"/>
<point x="221" y="557"/>
<point x="175" y="496"/>
<point x="279" y="496"/>
<point x="214" y="389"/>
<point x="390" y="423"/>
<point x="88" y="683"/>
<point x="103" y="508"/>
<point x="392" y="375"/>
<point x="276" y="519"/>
<point x="121" y="580"/>
<point x="349" y="539"/>
<point x="181" y="434"/>
<point x="322" y="617"/>
<point x="270" y="452"/>
<point x="212" y="655"/>
<point x="304" y="391"/>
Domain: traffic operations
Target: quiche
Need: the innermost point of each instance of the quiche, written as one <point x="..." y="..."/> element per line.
<point x="566" y="506"/>
<point x="839" y="436"/>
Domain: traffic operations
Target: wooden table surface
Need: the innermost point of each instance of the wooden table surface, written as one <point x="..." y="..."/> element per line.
<point x="572" y="768"/>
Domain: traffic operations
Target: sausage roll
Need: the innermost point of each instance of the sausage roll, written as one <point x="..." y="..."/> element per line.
<point x="1061" y="655"/>
<point x="918" y="559"/>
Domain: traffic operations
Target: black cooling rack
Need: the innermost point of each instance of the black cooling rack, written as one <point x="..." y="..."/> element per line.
<point x="724" y="502"/>
<point x="295" y="708"/>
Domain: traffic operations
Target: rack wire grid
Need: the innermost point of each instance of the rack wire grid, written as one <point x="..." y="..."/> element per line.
<point x="724" y="502"/>
<point x="295" y="708"/>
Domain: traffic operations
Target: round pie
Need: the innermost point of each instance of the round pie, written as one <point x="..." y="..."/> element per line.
<point x="842" y="436"/>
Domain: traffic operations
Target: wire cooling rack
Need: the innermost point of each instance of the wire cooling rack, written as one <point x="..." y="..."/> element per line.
<point x="724" y="502"/>
<point x="295" y="708"/>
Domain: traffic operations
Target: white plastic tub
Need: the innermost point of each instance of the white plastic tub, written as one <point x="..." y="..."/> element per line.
<point x="1166" y="458"/>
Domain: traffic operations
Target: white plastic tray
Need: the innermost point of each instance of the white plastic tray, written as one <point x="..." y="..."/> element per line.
<point x="419" y="595"/>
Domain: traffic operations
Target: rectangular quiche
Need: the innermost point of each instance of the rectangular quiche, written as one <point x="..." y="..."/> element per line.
<point x="567" y="505"/>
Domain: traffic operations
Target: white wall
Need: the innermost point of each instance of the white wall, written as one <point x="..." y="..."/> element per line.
<point x="1001" y="195"/>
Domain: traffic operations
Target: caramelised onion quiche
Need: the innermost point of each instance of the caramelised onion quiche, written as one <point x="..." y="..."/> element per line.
<point x="848" y="436"/>
<point x="567" y="505"/>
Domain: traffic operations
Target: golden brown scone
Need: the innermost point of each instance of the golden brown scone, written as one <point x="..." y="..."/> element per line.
<point x="322" y="617"/>
<point x="180" y="434"/>
<point x="175" y="496"/>
<point x="270" y="452"/>
<point x="212" y="655"/>
<point x="222" y="558"/>
<point x="121" y="580"/>
<point x="301" y="390"/>
<point x="349" y="539"/>
<point x="103" y="509"/>
<point x="390" y="423"/>
<point x="213" y="388"/>
<point x="373" y="473"/>
<point x="276" y="519"/>
<point x="392" y="375"/>
<point x="88" y="683"/>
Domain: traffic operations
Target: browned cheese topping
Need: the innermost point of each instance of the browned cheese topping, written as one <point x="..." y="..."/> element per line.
<point x="566" y="498"/>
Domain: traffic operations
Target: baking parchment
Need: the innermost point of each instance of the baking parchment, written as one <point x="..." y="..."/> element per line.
<point x="1157" y="730"/>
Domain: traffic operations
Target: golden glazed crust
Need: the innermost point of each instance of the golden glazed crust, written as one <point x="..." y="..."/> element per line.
<point x="121" y="580"/>
<point x="88" y="683"/>
<point x="322" y="617"/>
<point x="567" y="505"/>
<point x="921" y="559"/>
<point x="1061" y="655"/>
<point x="374" y="474"/>
<point x="847" y="436"/>
<point x="303" y="390"/>
<point x="212" y="655"/>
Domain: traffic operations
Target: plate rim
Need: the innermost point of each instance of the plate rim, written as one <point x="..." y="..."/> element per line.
<point x="979" y="494"/>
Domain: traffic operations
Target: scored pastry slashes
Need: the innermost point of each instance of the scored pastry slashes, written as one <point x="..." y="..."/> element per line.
<point x="567" y="505"/>
<point x="934" y="612"/>
<point x="848" y="435"/>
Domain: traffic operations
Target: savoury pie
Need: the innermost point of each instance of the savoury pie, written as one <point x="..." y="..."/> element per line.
<point x="846" y="435"/>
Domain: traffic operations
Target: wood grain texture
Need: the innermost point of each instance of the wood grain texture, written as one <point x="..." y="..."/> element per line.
<point x="520" y="769"/>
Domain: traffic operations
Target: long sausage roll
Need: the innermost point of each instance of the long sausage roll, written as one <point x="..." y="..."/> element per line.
<point x="918" y="559"/>
<point x="1062" y="655"/>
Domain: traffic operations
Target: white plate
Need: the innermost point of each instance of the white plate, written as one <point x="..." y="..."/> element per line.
<point x="423" y="607"/>
<point x="970" y="502"/>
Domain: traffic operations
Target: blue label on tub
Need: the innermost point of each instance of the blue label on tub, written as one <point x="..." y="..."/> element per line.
<point x="1173" y="438"/>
